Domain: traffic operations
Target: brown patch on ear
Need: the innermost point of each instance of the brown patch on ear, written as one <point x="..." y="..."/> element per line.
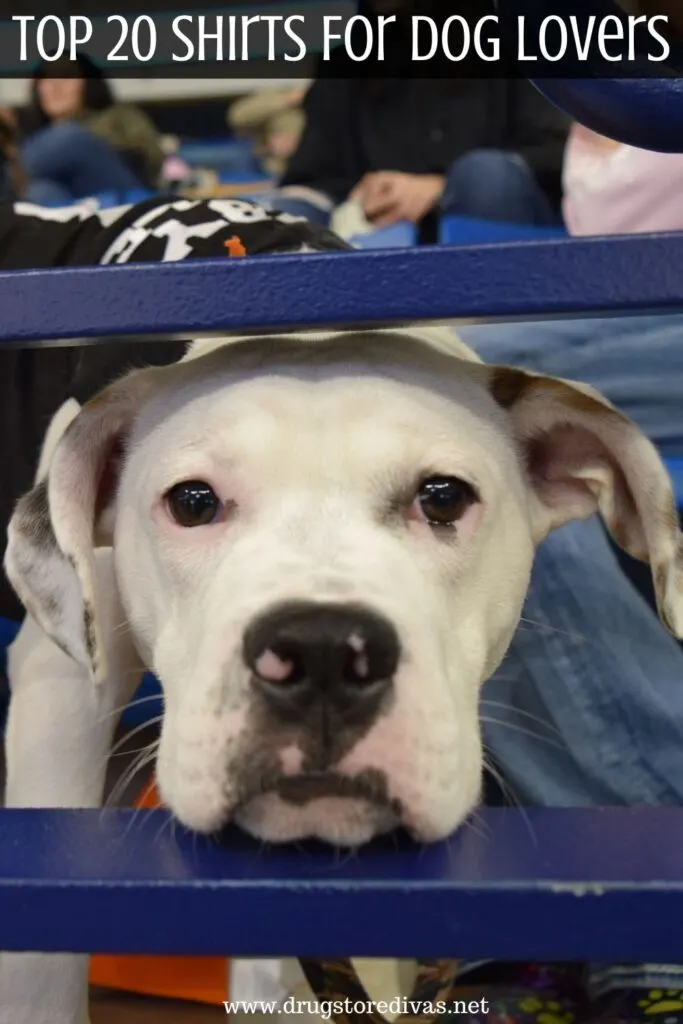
<point x="507" y="385"/>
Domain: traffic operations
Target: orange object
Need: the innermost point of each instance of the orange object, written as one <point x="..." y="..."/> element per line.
<point x="191" y="978"/>
<point x="235" y="247"/>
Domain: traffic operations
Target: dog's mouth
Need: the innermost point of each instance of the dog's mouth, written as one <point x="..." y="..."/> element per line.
<point x="345" y="810"/>
<point x="302" y="789"/>
<point x="305" y="787"/>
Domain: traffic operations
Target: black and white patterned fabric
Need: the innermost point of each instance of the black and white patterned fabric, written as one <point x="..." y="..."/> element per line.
<point x="158" y="230"/>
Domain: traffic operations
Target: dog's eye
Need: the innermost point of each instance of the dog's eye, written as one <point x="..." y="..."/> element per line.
<point x="442" y="500"/>
<point x="193" y="503"/>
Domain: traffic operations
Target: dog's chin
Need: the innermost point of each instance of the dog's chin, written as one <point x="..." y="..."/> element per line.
<point x="339" y="820"/>
<point x="336" y="808"/>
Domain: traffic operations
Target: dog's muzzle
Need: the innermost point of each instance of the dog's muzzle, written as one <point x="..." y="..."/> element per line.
<point x="340" y="659"/>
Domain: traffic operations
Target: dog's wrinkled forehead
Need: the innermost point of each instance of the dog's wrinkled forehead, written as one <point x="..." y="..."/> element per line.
<point x="298" y="390"/>
<point x="431" y="363"/>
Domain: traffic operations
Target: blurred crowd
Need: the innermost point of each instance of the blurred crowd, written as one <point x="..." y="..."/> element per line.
<point x="354" y="154"/>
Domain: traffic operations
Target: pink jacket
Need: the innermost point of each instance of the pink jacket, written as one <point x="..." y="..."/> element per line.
<point x="612" y="189"/>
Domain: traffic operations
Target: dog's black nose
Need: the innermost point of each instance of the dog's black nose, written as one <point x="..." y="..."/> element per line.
<point x="304" y="653"/>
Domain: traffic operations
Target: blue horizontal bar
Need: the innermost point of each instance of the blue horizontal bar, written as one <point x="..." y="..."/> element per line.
<point x="522" y="280"/>
<point x="643" y="112"/>
<point x="592" y="884"/>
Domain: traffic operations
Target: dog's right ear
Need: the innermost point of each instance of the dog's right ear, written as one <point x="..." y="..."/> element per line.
<point x="56" y="526"/>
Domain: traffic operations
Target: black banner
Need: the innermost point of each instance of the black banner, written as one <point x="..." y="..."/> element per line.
<point x="370" y="38"/>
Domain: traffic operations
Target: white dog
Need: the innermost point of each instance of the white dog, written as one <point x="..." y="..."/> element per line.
<point x="321" y="545"/>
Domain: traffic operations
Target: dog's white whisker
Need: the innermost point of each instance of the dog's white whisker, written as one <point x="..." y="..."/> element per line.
<point x="122" y="629"/>
<point x="511" y="797"/>
<point x="125" y="781"/>
<point x="137" y="814"/>
<point x="505" y="787"/>
<point x="129" y="753"/>
<point x="131" y="704"/>
<point x="548" y="628"/>
<point x="166" y="824"/>
<point x="523" y="714"/>
<point x="522" y="730"/>
<point x="146" y="758"/>
<point x="128" y="735"/>
<point x="476" y="825"/>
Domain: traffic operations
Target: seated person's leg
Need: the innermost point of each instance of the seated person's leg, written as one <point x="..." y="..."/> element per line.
<point x="71" y="157"/>
<point x="495" y="185"/>
<point x="587" y="707"/>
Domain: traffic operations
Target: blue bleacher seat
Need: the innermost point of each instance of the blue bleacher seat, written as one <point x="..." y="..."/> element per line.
<point x="228" y="155"/>
<point x="475" y="231"/>
<point x="241" y="177"/>
<point x="397" y="236"/>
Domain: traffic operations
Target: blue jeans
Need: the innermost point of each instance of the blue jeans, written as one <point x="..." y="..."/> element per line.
<point x="488" y="184"/>
<point x="65" y="161"/>
<point x="587" y="707"/>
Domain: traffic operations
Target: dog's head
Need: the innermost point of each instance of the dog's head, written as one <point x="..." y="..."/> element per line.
<point x="323" y="548"/>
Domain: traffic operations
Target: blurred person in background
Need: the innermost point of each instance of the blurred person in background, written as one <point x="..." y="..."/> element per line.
<point x="79" y="141"/>
<point x="403" y="148"/>
<point x="614" y="189"/>
<point x="11" y="176"/>
<point x="273" y="119"/>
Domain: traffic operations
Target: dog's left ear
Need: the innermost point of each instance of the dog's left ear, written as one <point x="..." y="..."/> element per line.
<point x="55" y="528"/>
<point x="583" y="456"/>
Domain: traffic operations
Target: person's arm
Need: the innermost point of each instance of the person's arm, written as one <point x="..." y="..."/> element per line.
<point x="326" y="157"/>
<point x="253" y="111"/>
<point x="127" y="128"/>
<point x="12" y="176"/>
<point x="538" y="133"/>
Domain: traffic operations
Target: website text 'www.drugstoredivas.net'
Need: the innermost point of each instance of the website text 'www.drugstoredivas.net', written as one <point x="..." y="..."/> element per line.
<point x="327" y="1009"/>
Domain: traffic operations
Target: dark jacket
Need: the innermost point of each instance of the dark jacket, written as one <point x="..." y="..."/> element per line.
<point x="421" y="126"/>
